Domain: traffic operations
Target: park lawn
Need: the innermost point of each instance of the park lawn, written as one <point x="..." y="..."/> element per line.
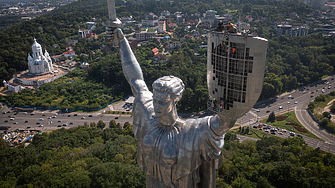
<point x="151" y="30"/>
<point x="143" y="28"/>
<point x="292" y="117"/>
<point x="319" y="106"/>
<point x="253" y="133"/>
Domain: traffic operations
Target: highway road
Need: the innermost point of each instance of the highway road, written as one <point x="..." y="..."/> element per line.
<point x="61" y="118"/>
<point x="298" y="98"/>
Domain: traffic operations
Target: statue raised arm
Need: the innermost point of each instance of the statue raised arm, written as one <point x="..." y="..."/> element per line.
<point x="130" y="66"/>
<point x="171" y="151"/>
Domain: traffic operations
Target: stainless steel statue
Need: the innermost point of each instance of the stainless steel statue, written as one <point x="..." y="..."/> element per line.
<point x="171" y="151"/>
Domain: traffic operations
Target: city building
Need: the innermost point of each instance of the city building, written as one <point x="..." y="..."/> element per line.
<point x="173" y="44"/>
<point x="234" y="64"/>
<point x="240" y="26"/>
<point x="39" y="63"/>
<point x="292" y="31"/>
<point x="83" y="33"/>
<point x="210" y="16"/>
<point x="71" y="42"/>
<point x="13" y="87"/>
<point x="165" y="13"/>
<point x="143" y="35"/>
<point x="84" y="65"/>
<point x="161" y="27"/>
<point x="154" y="51"/>
<point x="132" y="42"/>
<point x="91" y="25"/>
<point x="149" y="20"/>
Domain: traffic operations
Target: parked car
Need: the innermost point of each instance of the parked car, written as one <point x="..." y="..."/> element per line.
<point x="59" y="125"/>
<point x="299" y="135"/>
<point x="280" y="107"/>
<point x="75" y="115"/>
<point x="26" y="121"/>
<point x="267" y="111"/>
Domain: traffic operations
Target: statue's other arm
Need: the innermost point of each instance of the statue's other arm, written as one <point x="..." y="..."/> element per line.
<point x="222" y="122"/>
<point x="130" y="66"/>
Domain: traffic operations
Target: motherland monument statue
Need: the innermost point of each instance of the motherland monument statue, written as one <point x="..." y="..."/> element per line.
<point x="171" y="151"/>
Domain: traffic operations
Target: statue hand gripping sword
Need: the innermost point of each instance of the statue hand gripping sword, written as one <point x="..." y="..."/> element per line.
<point x="171" y="151"/>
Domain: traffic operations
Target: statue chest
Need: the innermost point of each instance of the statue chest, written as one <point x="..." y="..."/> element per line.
<point x="161" y="146"/>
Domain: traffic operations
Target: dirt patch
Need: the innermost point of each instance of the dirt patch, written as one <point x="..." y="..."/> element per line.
<point x="327" y="109"/>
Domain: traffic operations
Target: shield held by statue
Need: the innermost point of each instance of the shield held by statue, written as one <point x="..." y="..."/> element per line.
<point x="235" y="71"/>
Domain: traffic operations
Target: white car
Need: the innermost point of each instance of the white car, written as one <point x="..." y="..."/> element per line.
<point x="53" y="116"/>
<point x="11" y="118"/>
<point x="15" y="122"/>
<point x="48" y="117"/>
<point x="296" y="102"/>
<point x="288" y="102"/>
<point x="280" y="133"/>
<point x="24" y="112"/>
<point x="41" y="119"/>
<point x="82" y="117"/>
<point x="304" y="92"/>
<point x="40" y="125"/>
<point x="192" y="116"/>
<point x="280" y="107"/>
<point x="289" y="96"/>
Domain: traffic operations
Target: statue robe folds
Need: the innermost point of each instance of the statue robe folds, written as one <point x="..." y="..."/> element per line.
<point x="176" y="156"/>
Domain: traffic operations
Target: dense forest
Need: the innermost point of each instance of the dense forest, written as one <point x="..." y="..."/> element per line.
<point x="92" y="157"/>
<point x="291" y="61"/>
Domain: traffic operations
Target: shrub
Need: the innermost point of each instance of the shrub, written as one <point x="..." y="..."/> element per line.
<point x="324" y="121"/>
<point x="301" y="129"/>
<point x="320" y="98"/>
<point x="281" y="118"/>
<point x="327" y="115"/>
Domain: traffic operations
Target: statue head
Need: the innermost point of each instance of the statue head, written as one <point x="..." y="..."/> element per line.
<point x="167" y="91"/>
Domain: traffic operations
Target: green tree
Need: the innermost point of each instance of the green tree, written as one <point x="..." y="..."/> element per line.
<point x="112" y="124"/>
<point x="126" y="124"/>
<point x="119" y="126"/>
<point x="101" y="124"/>
<point x="272" y="117"/>
<point x="93" y="124"/>
<point x="324" y="121"/>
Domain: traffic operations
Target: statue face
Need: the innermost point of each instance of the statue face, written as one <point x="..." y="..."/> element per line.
<point x="163" y="104"/>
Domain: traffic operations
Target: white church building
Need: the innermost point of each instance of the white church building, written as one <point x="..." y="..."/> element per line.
<point x="39" y="63"/>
